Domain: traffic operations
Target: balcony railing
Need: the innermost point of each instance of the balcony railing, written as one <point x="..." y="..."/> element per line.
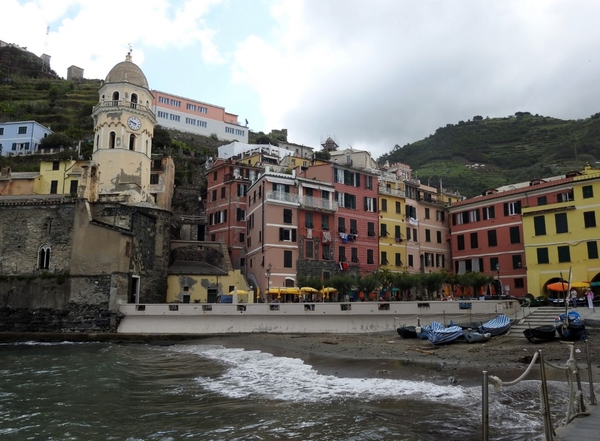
<point x="123" y="103"/>
<point x="391" y="191"/>
<point x="194" y="219"/>
<point x="318" y="203"/>
<point x="282" y="197"/>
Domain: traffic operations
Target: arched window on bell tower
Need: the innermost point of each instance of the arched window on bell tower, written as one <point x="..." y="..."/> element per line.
<point x="132" y="142"/>
<point x="111" y="140"/>
<point x="115" y="98"/>
<point x="134" y="100"/>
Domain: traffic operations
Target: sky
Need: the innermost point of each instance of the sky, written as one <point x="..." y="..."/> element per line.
<point x="368" y="74"/>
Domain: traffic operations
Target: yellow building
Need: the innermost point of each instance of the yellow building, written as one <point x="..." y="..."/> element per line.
<point x="201" y="272"/>
<point x="560" y="230"/>
<point x="67" y="177"/>
<point x="198" y="282"/>
<point x="392" y="245"/>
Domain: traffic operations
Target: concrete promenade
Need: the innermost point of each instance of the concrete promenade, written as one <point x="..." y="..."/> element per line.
<point x="585" y="428"/>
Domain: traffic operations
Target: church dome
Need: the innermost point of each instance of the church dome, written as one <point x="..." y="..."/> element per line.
<point x="127" y="72"/>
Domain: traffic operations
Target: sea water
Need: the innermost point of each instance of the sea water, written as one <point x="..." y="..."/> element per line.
<point x="98" y="391"/>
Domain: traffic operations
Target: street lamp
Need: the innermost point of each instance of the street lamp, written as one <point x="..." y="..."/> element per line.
<point x="499" y="283"/>
<point x="268" y="276"/>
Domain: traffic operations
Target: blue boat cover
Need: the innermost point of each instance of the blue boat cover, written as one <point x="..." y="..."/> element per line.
<point x="445" y="335"/>
<point x="496" y="326"/>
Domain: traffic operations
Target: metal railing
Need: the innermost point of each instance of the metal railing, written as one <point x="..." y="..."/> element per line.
<point x="318" y="203"/>
<point x="283" y="197"/>
<point x="576" y="405"/>
<point x="123" y="103"/>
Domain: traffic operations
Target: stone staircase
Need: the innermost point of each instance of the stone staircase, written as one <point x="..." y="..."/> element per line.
<point x="543" y="315"/>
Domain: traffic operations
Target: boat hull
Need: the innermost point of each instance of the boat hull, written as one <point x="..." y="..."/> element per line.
<point x="540" y="333"/>
<point x="407" y="332"/>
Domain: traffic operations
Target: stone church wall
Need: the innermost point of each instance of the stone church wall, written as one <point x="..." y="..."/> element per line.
<point x="56" y="304"/>
<point x="25" y="227"/>
<point x="151" y="231"/>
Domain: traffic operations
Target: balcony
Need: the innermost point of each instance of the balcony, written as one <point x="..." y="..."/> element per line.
<point x="280" y="196"/>
<point x="235" y="177"/>
<point x="391" y="191"/>
<point x="317" y="203"/>
<point x="121" y="104"/>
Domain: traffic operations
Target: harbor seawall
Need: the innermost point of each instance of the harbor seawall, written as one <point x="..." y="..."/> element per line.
<point x="339" y="318"/>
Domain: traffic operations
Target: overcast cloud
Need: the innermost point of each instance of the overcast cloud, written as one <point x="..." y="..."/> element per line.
<point x="371" y="74"/>
<point x="391" y="72"/>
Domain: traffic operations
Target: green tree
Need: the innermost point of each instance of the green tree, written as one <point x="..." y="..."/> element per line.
<point x="368" y="283"/>
<point x="56" y="140"/>
<point x="323" y="155"/>
<point x="263" y="139"/>
<point x="433" y="282"/>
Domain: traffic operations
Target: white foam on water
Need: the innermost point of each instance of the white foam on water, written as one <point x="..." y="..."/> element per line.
<point x="43" y="343"/>
<point x="255" y="373"/>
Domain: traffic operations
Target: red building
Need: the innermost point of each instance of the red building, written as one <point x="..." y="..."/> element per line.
<point x="487" y="237"/>
<point x="352" y="241"/>
<point x="228" y="181"/>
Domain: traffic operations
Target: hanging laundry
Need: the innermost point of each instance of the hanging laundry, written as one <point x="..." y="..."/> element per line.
<point x="326" y="237"/>
<point x="309" y="233"/>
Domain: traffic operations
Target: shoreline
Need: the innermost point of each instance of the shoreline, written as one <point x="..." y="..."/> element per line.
<point x="373" y="355"/>
<point x="386" y="355"/>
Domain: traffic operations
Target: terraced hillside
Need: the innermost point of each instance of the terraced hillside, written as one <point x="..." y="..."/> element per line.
<point x="483" y="153"/>
<point x="64" y="106"/>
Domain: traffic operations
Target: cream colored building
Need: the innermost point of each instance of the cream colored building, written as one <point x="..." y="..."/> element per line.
<point x="124" y="126"/>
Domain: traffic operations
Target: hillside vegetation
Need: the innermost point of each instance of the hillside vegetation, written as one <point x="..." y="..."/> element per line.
<point x="486" y="153"/>
<point x="468" y="157"/>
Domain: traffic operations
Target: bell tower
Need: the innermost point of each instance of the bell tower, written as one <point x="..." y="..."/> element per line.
<point x="123" y="130"/>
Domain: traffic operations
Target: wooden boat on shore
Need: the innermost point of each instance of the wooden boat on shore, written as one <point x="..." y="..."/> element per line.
<point x="407" y="331"/>
<point x="570" y="326"/>
<point x="473" y="336"/>
<point x="496" y="326"/>
<point x="445" y="335"/>
<point x="540" y="333"/>
<point x="423" y="331"/>
<point x="465" y="326"/>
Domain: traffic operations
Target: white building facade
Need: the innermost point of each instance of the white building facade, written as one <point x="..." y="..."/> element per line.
<point x="21" y="137"/>
<point x="187" y="115"/>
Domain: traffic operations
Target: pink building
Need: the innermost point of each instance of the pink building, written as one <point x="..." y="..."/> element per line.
<point x="188" y="115"/>
<point x="272" y="225"/>
<point x="426" y="233"/>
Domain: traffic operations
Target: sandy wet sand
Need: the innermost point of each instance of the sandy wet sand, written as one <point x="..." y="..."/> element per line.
<point x="387" y="355"/>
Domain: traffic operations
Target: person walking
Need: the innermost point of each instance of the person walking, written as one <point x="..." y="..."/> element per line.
<point x="589" y="295"/>
<point x="574" y="297"/>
